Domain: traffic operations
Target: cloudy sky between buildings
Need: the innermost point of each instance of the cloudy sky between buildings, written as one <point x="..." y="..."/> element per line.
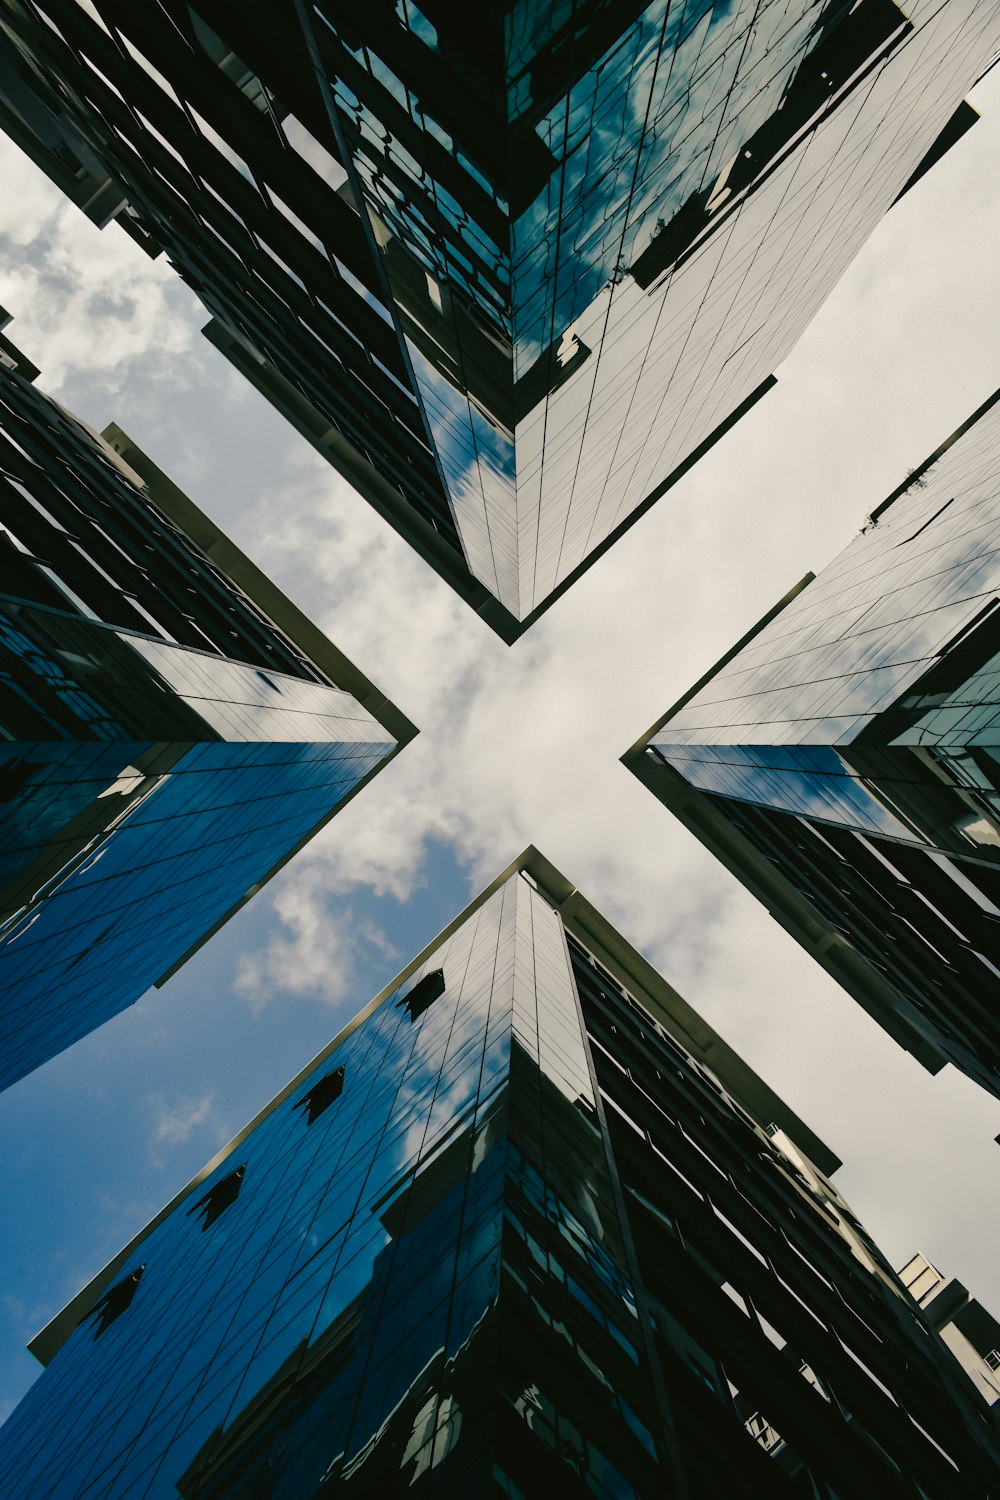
<point x="517" y="744"/>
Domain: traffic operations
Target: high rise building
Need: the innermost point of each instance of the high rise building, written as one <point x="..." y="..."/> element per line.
<point x="511" y="269"/>
<point x="842" y="759"/>
<point x="527" y="1226"/>
<point x="172" y="728"/>
<point x="971" y="1333"/>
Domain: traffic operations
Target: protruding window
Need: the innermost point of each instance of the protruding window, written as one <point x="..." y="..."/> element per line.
<point x="423" y="994"/>
<point x="219" y="1197"/>
<point x="322" y="1095"/>
<point x="115" y="1301"/>
<point x="927" y="523"/>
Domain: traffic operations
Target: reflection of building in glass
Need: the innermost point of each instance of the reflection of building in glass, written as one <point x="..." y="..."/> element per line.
<point x="842" y="759"/>
<point x="512" y="269"/>
<point x="971" y="1333"/>
<point x="172" y="729"/>
<point x="547" y="1235"/>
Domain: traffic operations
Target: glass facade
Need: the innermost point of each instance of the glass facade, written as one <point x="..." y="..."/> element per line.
<point x="113" y="892"/>
<point x="505" y="1236"/>
<point x="165" y="745"/>
<point x="82" y="532"/>
<point x="513" y="276"/>
<point x="853" y="741"/>
<point x="197" y="155"/>
<point x="679" y="195"/>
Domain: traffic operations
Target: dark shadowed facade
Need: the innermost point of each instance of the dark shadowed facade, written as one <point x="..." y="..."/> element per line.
<point x="172" y="729"/>
<point x="511" y="268"/>
<point x="527" y="1227"/>
<point x="842" y="759"/>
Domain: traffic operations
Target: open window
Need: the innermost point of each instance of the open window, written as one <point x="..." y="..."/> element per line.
<point x="219" y="1197"/>
<point x="424" y="993"/>
<point x="322" y="1095"/>
<point x="115" y="1301"/>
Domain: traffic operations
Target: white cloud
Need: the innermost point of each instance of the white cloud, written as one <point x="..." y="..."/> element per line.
<point x="173" y="1122"/>
<point x="89" y="303"/>
<point x="316" y="952"/>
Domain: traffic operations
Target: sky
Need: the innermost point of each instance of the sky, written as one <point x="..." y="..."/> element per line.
<point x="517" y="744"/>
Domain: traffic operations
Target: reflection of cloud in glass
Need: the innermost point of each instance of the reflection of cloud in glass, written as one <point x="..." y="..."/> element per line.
<point x="808" y="781"/>
<point x="655" y="125"/>
<point x="362" y="1249"/>
<point x="967" y="715"/>
<point x="132" y="894"/>
<point x="880" y="617"/>
<point x="478" y="462"/>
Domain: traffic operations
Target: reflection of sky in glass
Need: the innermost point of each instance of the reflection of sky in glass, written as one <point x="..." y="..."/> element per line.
<point x="218" y="1315"/>
<point x="121" y="905"/>
<point x="477" y="457"/>
<point x="432" y="1275"/>
<point x="870" y="625"/>
<point x="115" y="892"/>
<point x="811" y="781"/>
<point x="149" y="786"/>
<point x="55" y="782"/>
<point x="650" y="124"/>
<point x="240" y="702"/>
<point x="774" y="725"/>
<point x="361" y="1256"/>
<point x="969" y="715"/>
<point x="84" y="679"/>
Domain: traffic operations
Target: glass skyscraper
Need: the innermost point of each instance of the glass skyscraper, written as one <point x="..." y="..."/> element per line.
<point x="172" y="729"/>
<point x="511" y="269"/>
<point x="526" y="1227"/>
<point x="842" y="759"/>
